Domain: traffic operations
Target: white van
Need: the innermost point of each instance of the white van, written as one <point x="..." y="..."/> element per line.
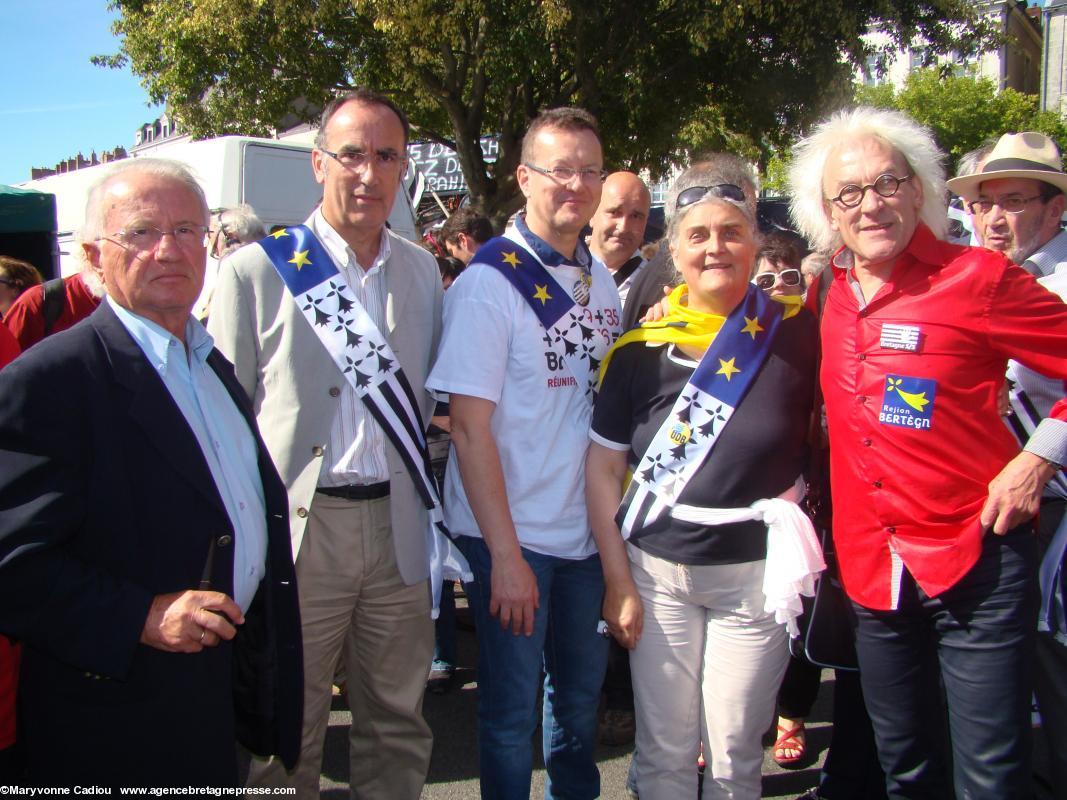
<point x="273" y="177"/>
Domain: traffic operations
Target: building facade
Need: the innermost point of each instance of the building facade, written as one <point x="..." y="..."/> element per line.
<point x="1014" y="65"/>
<point x="1054" y="57"/>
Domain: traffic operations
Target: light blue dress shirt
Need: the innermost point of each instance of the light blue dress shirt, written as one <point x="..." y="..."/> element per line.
<point x="222" y="433"/>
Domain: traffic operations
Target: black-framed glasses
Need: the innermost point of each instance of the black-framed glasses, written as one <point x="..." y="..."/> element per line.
<point x="357" y="159"/>
<point x="724" y="191"/>
<point x="568" y="174"/>
<point x="1009" y="205"/>
<point x="767" y="280"/>
<point x="145" y="237"/>
<point x="885" y="185"/>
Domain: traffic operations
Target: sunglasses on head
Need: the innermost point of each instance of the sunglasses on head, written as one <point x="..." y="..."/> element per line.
<point x="766" y="280"/>
<point x="724" y="191"/>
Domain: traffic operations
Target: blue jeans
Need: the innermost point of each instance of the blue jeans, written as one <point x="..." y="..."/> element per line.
<point x="979" y="637"/>
<point x="444" y="629"/>
<point x="574" y="657"/>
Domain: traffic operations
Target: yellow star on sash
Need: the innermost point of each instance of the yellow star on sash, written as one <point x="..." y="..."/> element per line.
<point x="542" y="293"/>
<point x="512" y="259"/>
<point x="727" y="368"/>
<point x="752" y="326"/>
<point x="278" y="234"/>
<point x="300" y="258"/>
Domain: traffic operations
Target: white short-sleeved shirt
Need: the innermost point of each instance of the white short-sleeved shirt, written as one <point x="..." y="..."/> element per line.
<point x="495" y="348"/>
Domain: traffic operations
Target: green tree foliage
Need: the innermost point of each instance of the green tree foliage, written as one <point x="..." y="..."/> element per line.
<point x="963" y="111"/>
<point x="665" y="77"/>
<point x="775" y="177"/>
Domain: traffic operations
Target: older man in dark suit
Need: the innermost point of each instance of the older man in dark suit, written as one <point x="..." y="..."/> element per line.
<point x="144" y="550"/>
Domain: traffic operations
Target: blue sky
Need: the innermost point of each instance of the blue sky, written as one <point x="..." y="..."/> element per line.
<point x="55" y="103"/>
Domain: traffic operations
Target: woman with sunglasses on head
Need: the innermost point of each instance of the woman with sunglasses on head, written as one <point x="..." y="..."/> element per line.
<point x="699" y="441"/>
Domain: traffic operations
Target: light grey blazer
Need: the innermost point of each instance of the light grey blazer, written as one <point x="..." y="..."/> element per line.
<point x="294" y="385"/>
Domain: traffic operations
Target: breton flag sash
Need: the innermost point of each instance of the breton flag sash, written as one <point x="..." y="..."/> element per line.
<point x="569" y="328"/>
<point x="704" y="407"/>
<point x="366" y="361"/>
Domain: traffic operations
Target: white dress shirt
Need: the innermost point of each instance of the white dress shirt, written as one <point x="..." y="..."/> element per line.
<point x="355" y="453"/>
<point x="222" y="433"/>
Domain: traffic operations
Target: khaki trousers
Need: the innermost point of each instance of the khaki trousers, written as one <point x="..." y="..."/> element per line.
<point x="706" y="669"/>
<point x="354" y="605"/>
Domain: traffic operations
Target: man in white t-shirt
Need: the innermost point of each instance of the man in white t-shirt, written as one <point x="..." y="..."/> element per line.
<point x="619" y="228"/>
<point x="526" y="326"/>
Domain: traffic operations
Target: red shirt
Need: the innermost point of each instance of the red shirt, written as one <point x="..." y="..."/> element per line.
<point x="910" y="383"/>
<point x="9" y="681"/>
<point x="25" y="318"/>
<point x="9" y="347"/>
<point x="9" y="654"/>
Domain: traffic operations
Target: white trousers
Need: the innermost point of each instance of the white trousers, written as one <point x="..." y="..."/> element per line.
<point x="707" y="669"/>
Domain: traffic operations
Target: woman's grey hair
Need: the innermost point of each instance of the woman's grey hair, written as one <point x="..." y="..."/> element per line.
<point x="914" y="142"/>
<point x="712" y="170"/>
<point x="93" y="227"/>
<point x="242" y="223"/>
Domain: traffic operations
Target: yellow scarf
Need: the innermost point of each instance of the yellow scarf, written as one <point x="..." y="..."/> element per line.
<point x="686" y="327"/>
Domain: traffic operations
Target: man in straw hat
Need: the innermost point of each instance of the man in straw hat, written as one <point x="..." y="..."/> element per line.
<point x="934" y="525"/>
<point x="1016" y="198"/>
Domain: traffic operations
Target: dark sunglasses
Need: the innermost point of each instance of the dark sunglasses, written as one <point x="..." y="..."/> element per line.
<point x="724" y="191"/>
<point x="766" y="280"/>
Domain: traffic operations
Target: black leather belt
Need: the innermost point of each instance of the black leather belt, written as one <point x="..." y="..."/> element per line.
<point x="365" y="491"/>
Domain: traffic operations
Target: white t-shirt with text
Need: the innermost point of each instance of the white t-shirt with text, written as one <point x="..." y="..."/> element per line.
<point x="494" y="347"/>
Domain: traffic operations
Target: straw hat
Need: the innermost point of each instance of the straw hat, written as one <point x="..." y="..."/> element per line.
<point x="1016" y="155"/>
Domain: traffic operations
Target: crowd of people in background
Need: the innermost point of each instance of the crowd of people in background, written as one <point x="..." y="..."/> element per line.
<point x="217" y="499"/>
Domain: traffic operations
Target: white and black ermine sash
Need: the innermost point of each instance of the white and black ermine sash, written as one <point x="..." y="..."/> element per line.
<point x="704" y="407"/>
<point x="369" y="365"/>
<point x="569" y="327"/>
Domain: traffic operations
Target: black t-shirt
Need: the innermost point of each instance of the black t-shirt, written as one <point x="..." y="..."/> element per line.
<point x="758" y="455"/>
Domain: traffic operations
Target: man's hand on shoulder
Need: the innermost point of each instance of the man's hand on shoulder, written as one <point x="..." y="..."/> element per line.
<point x="1015" y="494"/>
<point x="658" y="311"/>
<point x="189" y="621"/>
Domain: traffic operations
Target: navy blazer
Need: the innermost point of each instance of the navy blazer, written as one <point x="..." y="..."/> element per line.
<point x="105" y="502"/>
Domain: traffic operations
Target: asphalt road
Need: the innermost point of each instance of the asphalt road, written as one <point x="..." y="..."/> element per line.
<point x="454" y="765"/>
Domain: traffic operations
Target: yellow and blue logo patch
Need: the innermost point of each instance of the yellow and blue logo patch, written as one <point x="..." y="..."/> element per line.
<point x="908" y="402"/>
